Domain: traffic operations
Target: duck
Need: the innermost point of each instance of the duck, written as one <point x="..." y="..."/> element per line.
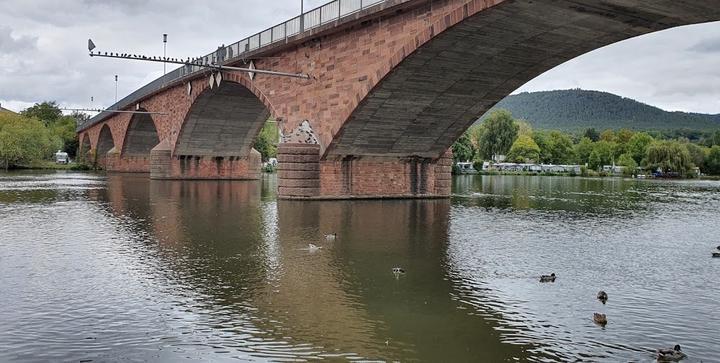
<point x="313" y="248"/>
<point x="670" y="355"/>
<point x="398" y="271"/>
<point x="331" y="237"/>
<point x="716" y="254"/>
<point x="602" y="296"/>
<point x="548" y="278"/>
<point x="600" y="319"/>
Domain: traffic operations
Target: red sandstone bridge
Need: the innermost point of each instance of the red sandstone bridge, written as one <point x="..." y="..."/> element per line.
<point x="392" y="85"/>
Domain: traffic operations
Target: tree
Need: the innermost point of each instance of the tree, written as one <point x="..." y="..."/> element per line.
<point x="638" y="144"/>
<point x="583" y="149"/>
<point x="628" y="162"/>
<point x="523" y="150"/>
<point x="712" y="161"/>
<point x="266" y="142"/>
<point x="463" y="149"/>
<point x="23" y="140"/>
<point x="697" y="155"/>
<point x="497" y="134"/>
<point x="592" y="134"/>
<point x="669" y="156"/>
<point x="608" y="135"/>
<point x="48" y="112"/>
<point x="560" y="148"/>
<point x="623" y="136"/>
<point x="64" y="129"/>
<point x="602" y="154"/>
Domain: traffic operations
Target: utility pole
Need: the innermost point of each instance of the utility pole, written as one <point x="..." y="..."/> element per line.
<point x="164" y="52"/>
<point x="302" y="16"/>
<point x="116" y="82"/>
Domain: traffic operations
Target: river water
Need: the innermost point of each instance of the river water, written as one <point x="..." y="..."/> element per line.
<point x="120" y="268"/>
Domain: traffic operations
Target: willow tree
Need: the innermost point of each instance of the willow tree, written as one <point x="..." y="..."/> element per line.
<point x="496" y="134"/>
<point x="669" y="156"/>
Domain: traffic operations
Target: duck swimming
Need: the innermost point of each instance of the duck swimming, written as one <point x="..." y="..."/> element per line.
<point x="313" y="248"/>
<point x="600" y="319"/>
<point x="602" y="296"/>
<point x="398" y="271"/>
<point x="331" y="237"/>
<point x="670" y="355"/>
<point x="548" y="278"/>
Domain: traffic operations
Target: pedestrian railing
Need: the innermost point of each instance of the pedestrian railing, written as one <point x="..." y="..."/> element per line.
<point x="312" y="19"/>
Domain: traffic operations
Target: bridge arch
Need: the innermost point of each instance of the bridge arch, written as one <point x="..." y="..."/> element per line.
<point x="440" y="81"/>
<point x="222" y="122"/>
<point x="84" y="147"/>
<point x="141" y="135"/>
<point x="105" y="141"/>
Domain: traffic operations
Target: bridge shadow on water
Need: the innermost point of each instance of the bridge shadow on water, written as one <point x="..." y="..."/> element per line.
<point x="240" y="260"/>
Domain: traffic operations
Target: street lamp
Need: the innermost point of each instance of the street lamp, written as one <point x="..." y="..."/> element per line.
<point x="302" y="16"/>
<point x="164" y="52"/>
<point x="116" y="84"/>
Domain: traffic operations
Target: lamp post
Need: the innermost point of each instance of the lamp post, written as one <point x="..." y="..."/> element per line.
<point x="116" y="84"/>
<point x="164" y="52"/>
<point x="302" y="16"/>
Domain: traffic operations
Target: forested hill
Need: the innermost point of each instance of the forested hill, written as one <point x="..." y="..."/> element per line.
<point x="572" y="110"/>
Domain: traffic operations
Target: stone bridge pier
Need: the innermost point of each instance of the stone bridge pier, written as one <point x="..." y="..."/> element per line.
<point x="303" y="175"/>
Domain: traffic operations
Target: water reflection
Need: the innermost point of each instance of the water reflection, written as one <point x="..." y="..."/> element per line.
<point x="248" y="253"/>
<point x="218" y="270"/>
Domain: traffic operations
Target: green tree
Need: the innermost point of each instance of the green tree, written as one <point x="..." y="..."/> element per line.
<point x="266" y="142"/>
<point x="583" y="149"/>
<point x="48" y="112"/>
<point x="523" y="150"/>
<point x="560" y="148"/>
<point x="463" y="149"/>
<point x="602" y="154"/>
<point x="592" y="134"/>
<point x="712" y="161"/>
<point x="628" y="162"/>
<point x="608" y="135"/>
<point x="698" y="154"/>
<point x="638" y="144"/>
<point x="498" y="133"/>
<point x="669" y="156"/>
<point x="23" y="140"/>
<point x="64" y="129"/>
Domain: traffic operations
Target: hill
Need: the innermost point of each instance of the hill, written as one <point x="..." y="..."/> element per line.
<point x="573" y="110"/>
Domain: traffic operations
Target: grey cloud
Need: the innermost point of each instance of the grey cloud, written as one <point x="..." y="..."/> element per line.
<point x="707" y="46"/>
<point x="10" y="44"/>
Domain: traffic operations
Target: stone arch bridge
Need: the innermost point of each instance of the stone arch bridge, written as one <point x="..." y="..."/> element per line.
<point x="392" y="85"/>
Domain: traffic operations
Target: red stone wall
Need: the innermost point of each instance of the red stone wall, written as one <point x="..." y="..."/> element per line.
<point x="302" y="175"/>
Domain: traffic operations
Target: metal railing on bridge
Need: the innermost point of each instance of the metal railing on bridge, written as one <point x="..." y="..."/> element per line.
<point x="314" y="18"/>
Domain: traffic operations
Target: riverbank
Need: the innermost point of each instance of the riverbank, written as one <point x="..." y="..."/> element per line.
<point x="50" y="165"/>
<point x="591" y="174"/>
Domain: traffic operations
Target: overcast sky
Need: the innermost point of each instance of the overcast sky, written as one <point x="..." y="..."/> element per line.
<point x="43" y="51"/>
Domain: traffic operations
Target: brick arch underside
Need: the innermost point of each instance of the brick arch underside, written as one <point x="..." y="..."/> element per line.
<point x="85" y="144"/>
<point x="223" y="121"/>
<point x="141" y="136"/>
<point x="434" y="94"/>
<point x="105" y="141"/>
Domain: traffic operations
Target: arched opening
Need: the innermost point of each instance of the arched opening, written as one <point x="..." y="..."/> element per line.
<point x="85" y="147"/>
<point x="222" y="122"/>
<point x="105" y="142"/>
<point x="436" y="92"/>
<point x="141" y="136"/>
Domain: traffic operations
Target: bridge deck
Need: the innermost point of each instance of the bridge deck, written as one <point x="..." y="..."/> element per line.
<point x="324" y="19"/>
